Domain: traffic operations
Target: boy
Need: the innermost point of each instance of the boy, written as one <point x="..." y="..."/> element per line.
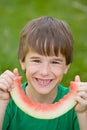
<point x="45" y="53"/>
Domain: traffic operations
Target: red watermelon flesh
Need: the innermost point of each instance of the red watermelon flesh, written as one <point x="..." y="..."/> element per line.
<point x="39" y="110"/>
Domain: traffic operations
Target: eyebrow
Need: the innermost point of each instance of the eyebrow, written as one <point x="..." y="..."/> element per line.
<point x="56" y="59"/>
<point x="34" y="57"/>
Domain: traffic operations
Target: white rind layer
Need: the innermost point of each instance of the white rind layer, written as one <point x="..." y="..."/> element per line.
<point x="42" y="111"/>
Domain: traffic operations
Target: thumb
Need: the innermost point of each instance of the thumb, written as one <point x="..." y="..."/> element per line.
<point x="15" y="71"/>
<point x="77" y="78"/>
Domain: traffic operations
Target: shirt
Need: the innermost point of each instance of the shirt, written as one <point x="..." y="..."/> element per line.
<point x="15" y="119"/>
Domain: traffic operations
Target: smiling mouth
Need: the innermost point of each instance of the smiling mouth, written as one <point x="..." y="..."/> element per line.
<point x="43" y="82"/>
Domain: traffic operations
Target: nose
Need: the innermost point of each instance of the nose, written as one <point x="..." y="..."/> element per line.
<point x="45" y="69"/>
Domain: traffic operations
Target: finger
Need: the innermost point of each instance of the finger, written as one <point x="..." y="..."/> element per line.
<point x="7" y="74"/>
<point x="4" y="95"/>
<point x="4" y="85"/>
<point x="83" y="87"/>
<point x="81" y="100"/>
<point x="6" y="80"/>
<point x="82" y="94"/>
<point x="77" y="78"/>
<point x="15" y="71"/>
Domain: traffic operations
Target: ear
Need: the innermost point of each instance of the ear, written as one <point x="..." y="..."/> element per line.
<point x="22" y="63"/>
<point x="66" y="68"/>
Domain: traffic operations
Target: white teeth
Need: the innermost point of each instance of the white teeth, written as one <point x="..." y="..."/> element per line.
<point x="43" y="82"/>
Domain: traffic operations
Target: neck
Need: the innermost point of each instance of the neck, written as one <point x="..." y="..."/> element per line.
<point x="42" y="98"/>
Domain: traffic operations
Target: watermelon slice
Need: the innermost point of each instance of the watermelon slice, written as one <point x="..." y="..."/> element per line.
<point x="39" y="110"/>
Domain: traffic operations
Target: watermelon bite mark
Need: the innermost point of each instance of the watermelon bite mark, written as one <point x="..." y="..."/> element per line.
<point x="39" y="110"/>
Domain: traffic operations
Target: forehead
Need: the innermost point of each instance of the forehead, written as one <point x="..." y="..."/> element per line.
<point x="33" y="54"/>
<point x="46" y="47"/>
<point x="44" y="50"/>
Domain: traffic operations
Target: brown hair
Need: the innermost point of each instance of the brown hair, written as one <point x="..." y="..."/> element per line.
<point x="47" y="36"/>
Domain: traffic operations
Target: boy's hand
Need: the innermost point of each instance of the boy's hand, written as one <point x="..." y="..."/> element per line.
<point x="6" y="80"/>
<point x="81" y="97"/>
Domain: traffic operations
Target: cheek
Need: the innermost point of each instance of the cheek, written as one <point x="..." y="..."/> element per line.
<point x="58" y="71"/>
<point x="30" y="71"/>
<point x="59" y="78"/>
<point x="59" y="74"/>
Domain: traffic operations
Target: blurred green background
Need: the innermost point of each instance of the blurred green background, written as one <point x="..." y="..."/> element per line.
<point x="14" y="14"/>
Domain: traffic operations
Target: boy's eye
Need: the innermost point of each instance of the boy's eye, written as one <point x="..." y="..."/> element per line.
<point x="37" y="61"/>
<point x="55" y="62"/>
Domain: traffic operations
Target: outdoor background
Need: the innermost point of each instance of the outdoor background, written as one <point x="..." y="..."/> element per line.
<point x="14" y="14"/>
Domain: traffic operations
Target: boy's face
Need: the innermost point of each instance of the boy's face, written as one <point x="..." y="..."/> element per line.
<point x="44" y="72"/>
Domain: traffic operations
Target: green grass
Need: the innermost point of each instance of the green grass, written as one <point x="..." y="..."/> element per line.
<point x="15" y="14"/>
